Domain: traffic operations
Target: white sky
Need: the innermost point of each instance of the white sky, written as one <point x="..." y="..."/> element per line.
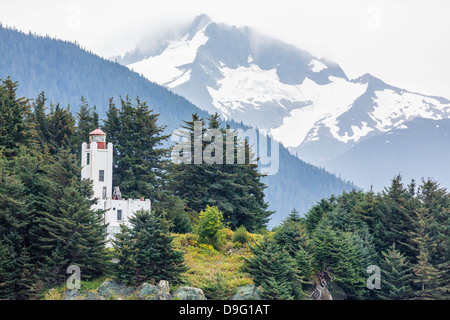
<point x="406" y="43"/>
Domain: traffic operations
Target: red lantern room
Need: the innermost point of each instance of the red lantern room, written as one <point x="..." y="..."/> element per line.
<point x="98" y="136"/>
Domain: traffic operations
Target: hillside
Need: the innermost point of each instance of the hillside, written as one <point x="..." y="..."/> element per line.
<point x="419" y="149"/>
<point x="66" y="72"/>
<point x="307" y="103"/>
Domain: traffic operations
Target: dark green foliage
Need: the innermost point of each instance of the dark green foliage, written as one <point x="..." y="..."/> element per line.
<point x="275" y="270"/>
<point x="87" y="121"/>
<point x="139" y="157"/>
<point x="236" y="189"/>
<point x="67" y="224"/>
<point x="217" y="289"/>
<point x="176" y="212"/>
<point x="145" y="252"/>
<point x="15" y="128"/>
<point x="241" y="235"/>
<point x="290" y="247"/>
<point x="8" y="273"/>
<point x="336" y="255"/>
<point x="395" y="275"/>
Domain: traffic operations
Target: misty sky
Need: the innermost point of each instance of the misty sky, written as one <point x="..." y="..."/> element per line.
<point x="406" y="43"/>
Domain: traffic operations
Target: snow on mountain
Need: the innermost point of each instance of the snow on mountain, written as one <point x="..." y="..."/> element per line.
<point x="306" y="102"/>
<point x="167" y="68"/>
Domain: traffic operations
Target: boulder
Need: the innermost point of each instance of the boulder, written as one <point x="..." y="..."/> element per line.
<point x="321" y="293"/>
<point x="147" y="292"/>
<point x="189" y="293"/>
<point x="111" y="289"/>
<point x="164" y="291"/>
<point x="249" y="292"/>
<point x="71" y="294"/>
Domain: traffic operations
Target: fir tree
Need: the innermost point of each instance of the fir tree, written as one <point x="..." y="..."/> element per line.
<point x="275" y="270"/>
<point x="15" y="125"/>
<point x="145" y="251"/>
<point x="396" y="275"/>
<point x="8" y="272"/>
<point x="67" y="224"/>
<point x="87" y="121"/>
<point x="336" y="255"/>
<point x="139" y="155"/>
<point x="61" y="126"/>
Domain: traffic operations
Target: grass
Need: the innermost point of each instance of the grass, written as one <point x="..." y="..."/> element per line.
<point x="209" y="269"/>
<point x="207" y="264"/>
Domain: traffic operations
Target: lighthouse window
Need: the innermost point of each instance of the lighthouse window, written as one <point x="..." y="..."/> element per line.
<point x="88" y="158"/>
<point x="104" y="193"/>
<point x="101" y="175"/>
<point x="119" y="215"/>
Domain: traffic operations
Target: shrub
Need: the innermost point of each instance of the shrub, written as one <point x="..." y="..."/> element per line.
<point x="241" y="235"/>
<point x="210" y="227"/>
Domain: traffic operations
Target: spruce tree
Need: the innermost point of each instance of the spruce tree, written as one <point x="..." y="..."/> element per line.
<point x="235" y="188"/>
<point x="8" y="272"/>
<point x="87" y="121"/>
<point x="70" y="232"/>
<point x="275" y="270"/>
<point x="336" y="255"/>
<point x="61" y="126"/>
<point x="15" y="117"/>
<point x="139" y="155"/>
<point x="146" y="253"/>
<point x="396" y="274"/>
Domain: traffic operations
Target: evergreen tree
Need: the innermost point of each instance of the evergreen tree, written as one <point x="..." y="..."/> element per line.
<point x="139" y="156"/>
<point x="87" y="121"/>
<point x="69" y="232"/>
<point x="396" y="275"/>
<point x="145" y="251"/>
<point x="336" y="255"/>
<point x="235" y="188"/>
<point x="25" y="281"/>
<point x="8" y="273"/>
<point x="275" y="270"/>
<point x="41" y="120"/>
<point x="61" y="126"/>
<point x="15" y="126"/>
<point x="427" y="276"/>
<point x="397" y="205"/>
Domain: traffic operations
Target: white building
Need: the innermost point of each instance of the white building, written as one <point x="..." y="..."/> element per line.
<point x="97" y="165"/>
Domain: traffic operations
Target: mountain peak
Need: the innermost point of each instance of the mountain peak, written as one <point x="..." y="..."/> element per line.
<point x="199" y="23"/>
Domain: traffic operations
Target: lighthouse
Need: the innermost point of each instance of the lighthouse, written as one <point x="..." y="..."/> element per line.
<point x="97" y="165"/>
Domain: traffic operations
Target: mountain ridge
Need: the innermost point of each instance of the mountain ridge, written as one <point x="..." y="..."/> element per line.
<point x="306" y="103"/>
<point x="66" y="72"/>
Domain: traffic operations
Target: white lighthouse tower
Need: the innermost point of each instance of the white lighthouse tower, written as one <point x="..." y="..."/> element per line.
<point x="97" y="165"/>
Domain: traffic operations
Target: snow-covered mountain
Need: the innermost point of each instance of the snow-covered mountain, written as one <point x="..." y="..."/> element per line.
<point x="307" y="103"/>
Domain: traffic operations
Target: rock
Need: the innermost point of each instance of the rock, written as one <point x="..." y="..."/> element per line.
<point x="70" y="294"/>
<point x="189" y="293"/>
<point x="164" y="291"/>
<point x="147" y="292"/>
<point x="321" y="293"/>
<point x="92" y="296"/>
<point x="337" y="292"/>
<point x="111" y="289"/>
<point x="249" y="292"/>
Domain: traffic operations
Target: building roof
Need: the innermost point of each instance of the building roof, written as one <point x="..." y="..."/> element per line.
<point x="97" y="132"/>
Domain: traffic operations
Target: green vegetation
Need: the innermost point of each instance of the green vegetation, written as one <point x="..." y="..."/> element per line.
<point x="145" y="252"/>
<point x="47" y="224"/>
